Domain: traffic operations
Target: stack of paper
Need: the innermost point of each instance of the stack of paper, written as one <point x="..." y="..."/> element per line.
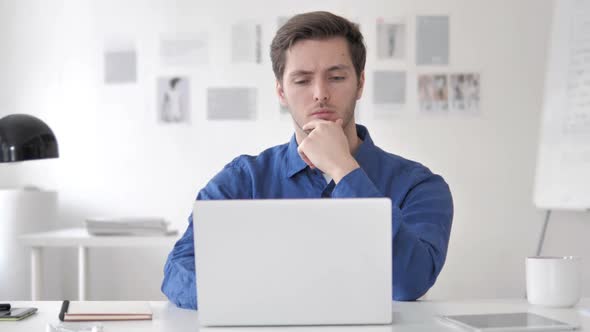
<point x="146" y="226"/>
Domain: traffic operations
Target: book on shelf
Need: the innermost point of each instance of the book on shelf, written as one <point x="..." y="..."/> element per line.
<point x="141" y="226"/>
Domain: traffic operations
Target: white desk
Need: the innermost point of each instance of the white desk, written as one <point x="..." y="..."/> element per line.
<point x="79" y="237"/>
<point x="408" y="316"/>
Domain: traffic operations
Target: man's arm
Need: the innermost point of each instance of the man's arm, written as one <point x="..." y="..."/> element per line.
<point x="421" y="228"/>
<point x="421" y="220"/>
<point x="179" y="272"/>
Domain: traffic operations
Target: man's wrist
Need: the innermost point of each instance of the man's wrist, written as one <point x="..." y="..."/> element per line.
<point x="343" y="170"/>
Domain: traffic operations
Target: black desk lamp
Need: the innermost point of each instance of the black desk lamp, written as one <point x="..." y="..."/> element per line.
<point x="24" y="137"/>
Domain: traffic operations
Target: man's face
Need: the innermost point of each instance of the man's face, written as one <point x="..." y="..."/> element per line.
<point x="319" y="82"/>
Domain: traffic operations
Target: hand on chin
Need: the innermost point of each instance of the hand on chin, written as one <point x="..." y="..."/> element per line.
<point x="324" y="145"/>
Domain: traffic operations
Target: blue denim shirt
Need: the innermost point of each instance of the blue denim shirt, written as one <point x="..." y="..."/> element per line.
<point x="422" y="209"/>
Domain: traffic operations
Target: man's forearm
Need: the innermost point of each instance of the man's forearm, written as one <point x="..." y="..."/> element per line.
<point x="420" y="231"/>
<point x="179" y="273"/>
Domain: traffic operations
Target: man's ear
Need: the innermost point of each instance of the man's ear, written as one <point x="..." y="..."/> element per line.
<point x="281" y="93"/>
<point x="361" y="86"/>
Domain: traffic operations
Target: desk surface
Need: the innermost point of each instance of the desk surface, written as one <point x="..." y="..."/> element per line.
<point x="408" y="316"/>
<point x="73" y="237"/>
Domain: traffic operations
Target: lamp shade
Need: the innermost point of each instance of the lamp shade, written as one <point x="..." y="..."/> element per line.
<point x="24" y="137"/>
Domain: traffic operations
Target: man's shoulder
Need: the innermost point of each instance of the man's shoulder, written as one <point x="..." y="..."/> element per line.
<point x="267" y="157"/>
<point x="388" y="165"/>
<point x="401" y="165"/>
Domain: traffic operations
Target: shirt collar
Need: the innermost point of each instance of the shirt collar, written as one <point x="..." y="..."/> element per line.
<point x="295" y="164"/>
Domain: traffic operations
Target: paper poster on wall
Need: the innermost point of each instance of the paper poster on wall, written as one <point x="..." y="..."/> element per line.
<point x="464" y="92"/>
<point x="184" y="51"/>
<point x="246" y="43"/>
<point x="120" y="63"/>
<point x="235" y="103"/>
<point x="391" y="39"/>
<point x="433" y="93"/>
<point x="389" y="90"/>
<point x="432" y="40"/>
<point x="173" y="99"/>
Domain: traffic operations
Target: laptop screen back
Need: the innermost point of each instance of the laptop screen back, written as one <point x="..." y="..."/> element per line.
<point x="293" y="262"/>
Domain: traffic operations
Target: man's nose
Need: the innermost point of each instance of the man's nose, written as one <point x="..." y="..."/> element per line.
<point x="321" y="92"/>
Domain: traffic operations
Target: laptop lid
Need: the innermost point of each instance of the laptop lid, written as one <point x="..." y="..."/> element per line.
<point x="293" y="261"/>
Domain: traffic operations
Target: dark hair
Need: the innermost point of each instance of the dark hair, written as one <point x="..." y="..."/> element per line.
<point x="317" y="25"/>
<point x="174" y="81"/>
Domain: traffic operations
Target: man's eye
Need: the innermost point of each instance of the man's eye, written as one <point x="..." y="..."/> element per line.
<point x="337" y="78"/>
<point x="301" y="82"/>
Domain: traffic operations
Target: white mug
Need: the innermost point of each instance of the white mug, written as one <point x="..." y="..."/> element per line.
<point x="553" y="281"/>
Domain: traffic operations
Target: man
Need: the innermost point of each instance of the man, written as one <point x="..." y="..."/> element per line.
<point x="318" y="59"/>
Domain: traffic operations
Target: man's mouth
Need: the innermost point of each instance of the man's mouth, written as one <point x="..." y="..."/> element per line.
<point x="324" y="114"/>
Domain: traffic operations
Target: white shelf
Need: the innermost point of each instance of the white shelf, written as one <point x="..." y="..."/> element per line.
<point x="75" y="237"/>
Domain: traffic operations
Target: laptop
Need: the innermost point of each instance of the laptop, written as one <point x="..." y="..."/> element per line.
<point x="293" y="261"/>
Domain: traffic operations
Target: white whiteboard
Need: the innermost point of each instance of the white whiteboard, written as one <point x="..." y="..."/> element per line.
<point x="563" y="163"/>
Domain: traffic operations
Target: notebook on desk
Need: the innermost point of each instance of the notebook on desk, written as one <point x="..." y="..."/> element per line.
<point x="293" y="261"/>
<point x="101" y="311"/>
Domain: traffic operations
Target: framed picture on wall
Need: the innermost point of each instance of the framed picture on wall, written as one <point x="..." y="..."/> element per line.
<point x="173" y="99"/>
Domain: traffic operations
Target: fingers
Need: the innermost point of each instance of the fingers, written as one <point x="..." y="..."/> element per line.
<point x="305" y="159"/>
<point x="311" y="125"/>
<point x="328" y="132"/>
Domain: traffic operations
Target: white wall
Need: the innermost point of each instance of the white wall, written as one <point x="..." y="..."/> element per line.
<point x="116" y="160"/>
